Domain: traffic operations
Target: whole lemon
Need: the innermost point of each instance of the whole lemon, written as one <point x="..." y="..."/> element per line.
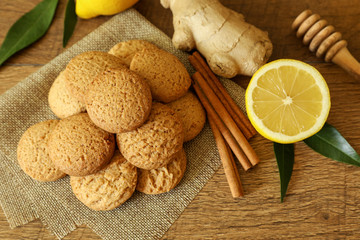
<point x="91" y="8"/>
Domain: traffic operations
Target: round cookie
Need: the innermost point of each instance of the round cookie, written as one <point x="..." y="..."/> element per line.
<point x="126" y="50"/>
<point x="192" y="114"/>
<point x="153" y="144"/>
<point x="33" y="154"/>
<point x="78" y="147"/>
<point x="162" y="179"/>
<point x="108" y="188"/>
<point x="166" y="75"/>
<point x="82" y="69"/>
<point x="61" y="102"/>
<point x="118" y="100"/>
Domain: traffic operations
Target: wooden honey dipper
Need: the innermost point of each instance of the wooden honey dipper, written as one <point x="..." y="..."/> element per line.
<point x="323" y="39"/>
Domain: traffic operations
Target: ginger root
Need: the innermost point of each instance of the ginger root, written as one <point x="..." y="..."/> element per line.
<point x="230" y="45"/>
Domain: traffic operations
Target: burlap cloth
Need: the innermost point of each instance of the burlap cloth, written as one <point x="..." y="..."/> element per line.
<point x="141" y="217"/>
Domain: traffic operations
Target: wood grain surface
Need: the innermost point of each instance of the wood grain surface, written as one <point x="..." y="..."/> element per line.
<point x="323" y="200"/>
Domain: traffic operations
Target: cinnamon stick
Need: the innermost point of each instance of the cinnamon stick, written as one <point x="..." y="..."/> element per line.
<point x="222" y="89"/>
<point x="224" y="131"/>
<point x="234" y="165"/>
<point x="226" y="118"/>
<point x="231" y="173"/>
<point x="199" y="67"/>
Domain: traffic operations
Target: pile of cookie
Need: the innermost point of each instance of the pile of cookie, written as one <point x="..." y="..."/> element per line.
<point x="124" y="116"/>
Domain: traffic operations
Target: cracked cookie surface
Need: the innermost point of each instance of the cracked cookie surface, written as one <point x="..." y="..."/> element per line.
<point x="83" y="68"/>
<point x="166" y="75"/>
<point x="61" y="102"/>
<point x="33" y="155"/>
<point x="154" y="143"/>
<point x="118" y="100"/>
<point x="191" y="113"/>
<point x="78" y="147"/>
<point x="108" y="188"/>
<point x="162" y="179"/>
<point x="127" y="50"/>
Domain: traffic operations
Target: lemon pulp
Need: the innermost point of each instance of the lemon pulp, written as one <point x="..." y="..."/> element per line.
<point x="287" y="101"/>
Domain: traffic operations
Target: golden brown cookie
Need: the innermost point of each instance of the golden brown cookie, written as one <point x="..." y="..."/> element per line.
<point x="162" y="179"/>
<point x="61" y="102"/>
<point x="166" y="75"/>
<point x="78" y="147"/>
<point x="82" y="69"/>
<point x="153" y="144"/>
<point x="33" y="154"/>
<point x="192" y="114"/>
<point x="108" y="188"/>
<point x="118" y="100"/>
<point x="126" y="50"/>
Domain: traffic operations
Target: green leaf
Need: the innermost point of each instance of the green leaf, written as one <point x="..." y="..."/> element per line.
<point x="69" y="21"/>
<point x="330" y="143"/>
<point x="284" y="154"/>
<point x="29" y="28"/>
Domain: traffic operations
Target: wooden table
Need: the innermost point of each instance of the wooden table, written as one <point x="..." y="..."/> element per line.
<point x="323" y="200"/>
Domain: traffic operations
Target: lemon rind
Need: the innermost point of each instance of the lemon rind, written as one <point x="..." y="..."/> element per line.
<point x="279" y="137"/>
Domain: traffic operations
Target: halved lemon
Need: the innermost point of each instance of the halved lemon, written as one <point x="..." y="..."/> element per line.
<point x="287" y="101"/>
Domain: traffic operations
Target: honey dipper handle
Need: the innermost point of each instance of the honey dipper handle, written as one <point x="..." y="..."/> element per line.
<point x="345" y="59"/>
